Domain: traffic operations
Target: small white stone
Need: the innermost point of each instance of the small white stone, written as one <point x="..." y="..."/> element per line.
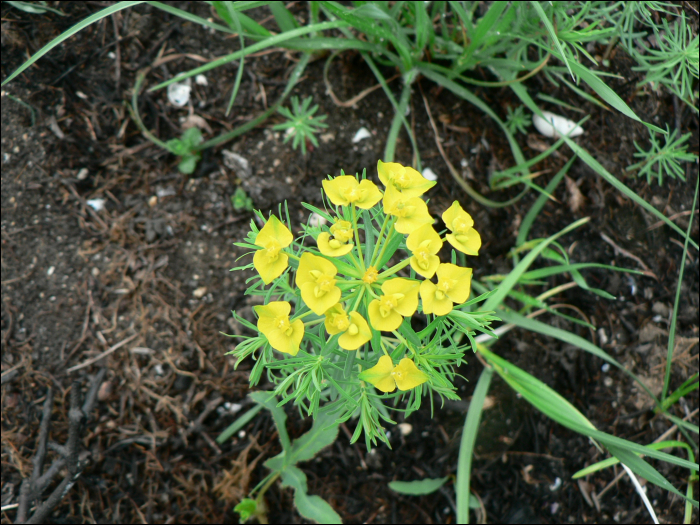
<point x="82" y="174"/>
<point x="96" y="204"/>
<point x="555" y="125"/>
<point x="153" y="200"/>
<point x="429" y="174"/>
<point x="50" y="271"/>
<point x="179" y="93"/>
<point x="316" y="220"/>
<point x="201" y="80"/>
<point x="361" y="134"/>
<point x="602" y="336"/>
<point x="200" y="292"/>
<point x="405" y="428"/>
<point x="555" y="486"/>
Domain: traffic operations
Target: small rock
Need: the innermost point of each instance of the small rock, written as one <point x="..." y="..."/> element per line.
<point x="153" y="201"/>
<point x="555" y="125"/>
<point x="405" y="428"/>
<point x="179" y="93"/>
<point x="650" y="332"/>
<point x="361" y="134"/>
<point x="96" y="204"/>
<point x="200" y="292"/>
<point x="201" y="80"/>
<point x="430" y="174"/>
<point x="105" y="391"/>
<point x="237" y="163"/>
<point x="661" y="309"/>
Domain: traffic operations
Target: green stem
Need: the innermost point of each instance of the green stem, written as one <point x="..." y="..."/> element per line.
<point x="401" y="338"/>
<point x="291" y="256"/>
<point x="386" y="242"/>
<point x="395" y="268"/>
<point x="359" y="298"/>
<point x="372" y="261"/>
<point x="314" y="323"/>
<point x="301" y="316"/>
<point x="357" y="239"/>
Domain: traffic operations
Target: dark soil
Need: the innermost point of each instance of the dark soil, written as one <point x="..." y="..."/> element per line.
<point x="153" y="264"/>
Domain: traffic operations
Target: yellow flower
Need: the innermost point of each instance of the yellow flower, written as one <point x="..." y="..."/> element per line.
<point x="454" y="285"/>
<point x="425" y="243"/>
<point x="400" y="300"/>
<point x="273" y="322"/>
<point x="269" y="262"/>
<point x="355" y="328"/>
<point x="405" y="179"/>
<point x="371" y="275"/>
<point x="315" y="279"/>
<point x="411" y="212"/>
<point x="342" y="232"/>
<point x="345" y="190"/>
<point x="463" y="237"/>
<point x="386" y="377"/>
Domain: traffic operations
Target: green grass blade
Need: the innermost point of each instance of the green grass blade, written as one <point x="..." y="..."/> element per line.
<point x="417" y="488"/>
<point x="557" y="408"/>
<point x="600" y="170"/>
<point x="567" y="337"/>
<point x="514" y="276"/>
<point x="485" y="24"/>
<point x="268" y="42"/>
<point x="532" y="214"/>
<point x="607" y="463"/>
<point x="552" y="33"/>
<point x="189" y="16"/>
<point x="238" y="424"/>
<point x="283" y="17"/>
<point x="466" y="446"/>
<point x="236" y="23"/>
<point x="69" y="33"/>
<point x="399" y="114"/>
<point x="674" y="317"/>
<point x="607" y="94"/>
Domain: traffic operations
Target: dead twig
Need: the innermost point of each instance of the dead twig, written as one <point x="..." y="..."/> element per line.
<point x="624" y="252"/>
<point x="103" y="354"/>
<point x="71" y="457"/>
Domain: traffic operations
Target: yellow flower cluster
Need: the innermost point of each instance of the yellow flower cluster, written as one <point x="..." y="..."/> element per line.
<point x="392" y="299"/>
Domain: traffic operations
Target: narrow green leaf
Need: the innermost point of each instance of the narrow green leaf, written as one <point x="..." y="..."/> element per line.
<point x="69" y="33"/>
<point x="417" y="488"/>
<point x="238" y="424"/>
<point x="466" y="447"/>
<point x="269" y="401"/>
<point x="600" y="170"/>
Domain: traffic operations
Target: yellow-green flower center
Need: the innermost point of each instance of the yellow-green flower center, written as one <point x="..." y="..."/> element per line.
<point x="272" y="250"/>
<point x="282" y="323"/>
<point x="353" y="329"/>
<point x="342" y="231"/>
<point x="460" y="226"/>
<point x="324" y="283"/>
<point x="371" y="275"/>
<point x="401" y="181"/>
<point x="340" y="321"/>
<point x="388" y="302"/>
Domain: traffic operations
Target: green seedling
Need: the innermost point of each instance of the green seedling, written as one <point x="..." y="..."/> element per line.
<point x="518" y="120"/>
<point x="240" y="201"/>
<point x="185" y="148"/>
<point x="284" y="466"/>
<point x="665" y="159"/>
<point x="301" y="125"/>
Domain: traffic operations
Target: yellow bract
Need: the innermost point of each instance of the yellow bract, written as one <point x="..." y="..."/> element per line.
<point x="269" y="262"/>
<point x="454" y="285"/>
<point x="411" y="212"/>
<point x="400" y="300"/>
<point x="405" y="179"/>
<point x="355" y="328"/>
<point x="273" y="322"/>
<point x="345" y="190"/>
<point x="386" y="377"/>
<point x="316" y="280"/>
<point x="463" y="237"/>
<point x="425" y="243"/>
<point x="342" y="233"/>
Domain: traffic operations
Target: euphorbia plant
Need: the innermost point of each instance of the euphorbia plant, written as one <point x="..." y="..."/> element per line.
<point x="363" y="340"/>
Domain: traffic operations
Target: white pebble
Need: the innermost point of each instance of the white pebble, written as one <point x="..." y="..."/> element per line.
<point x="179" y="93"/>
<point x="429" y="174"/>
<point x="361" y="134"/>
<point x="201" y="80"/>
<point x="50" y="271"/>
<point x="555" y="125"/>
<point x="405" y="428"/>
<point x="96" y="204"/>
<point x="316" y="220"/>
<point x="605" y="368"/>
